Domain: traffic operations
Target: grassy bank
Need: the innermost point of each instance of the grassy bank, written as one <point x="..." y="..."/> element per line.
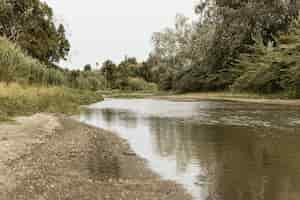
<point x="18" y="100"/>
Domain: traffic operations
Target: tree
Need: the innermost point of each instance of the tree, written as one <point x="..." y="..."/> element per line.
<point x="10" y="57"/>
<point x="108" y="70"/>
<point x="88" y="68"/>
<point x="271" y="70"/>
<point x="30" y="24"/>
<point x="174" y="44"/>
<point x="173" y="51"/>
<point x="238" y="24"/>
<point x="63" y="47"/>
<point x="200" y="55"/>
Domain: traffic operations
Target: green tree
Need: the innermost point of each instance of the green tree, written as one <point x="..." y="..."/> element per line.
<point x="87" y="68"/>
<point x="272" y="70"/>
<point x="30" y="23"/>
<point x="109" y="72"/>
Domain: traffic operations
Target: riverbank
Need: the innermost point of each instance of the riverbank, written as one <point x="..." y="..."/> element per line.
<point x="50" y="156"/>
<point x="207" y="96"/>
<point x="223" y="96"/>
<point x="19" y="100"/>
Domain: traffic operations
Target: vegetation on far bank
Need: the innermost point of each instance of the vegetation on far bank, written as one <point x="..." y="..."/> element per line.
<point x="241" y="47"/>
<point x="16" y="100"/>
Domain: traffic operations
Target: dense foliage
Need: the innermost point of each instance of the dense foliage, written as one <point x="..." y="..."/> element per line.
<point x="128" y="75"/>
<point x="30" y="24"/>
<point x="272" y="69"/>
<point x="210" y="53"/>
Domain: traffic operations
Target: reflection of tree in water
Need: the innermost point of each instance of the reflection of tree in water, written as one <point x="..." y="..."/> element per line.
<point x="127" y="119"/>
<point x="112" y="117"/>
<point x="108" y="115"/>
<point x="249" y="167"/>
<point x="86" y="114"/>
<point x="170" y="140"/>
<point x="258" y="168"/>
<point x="237" y="163"/>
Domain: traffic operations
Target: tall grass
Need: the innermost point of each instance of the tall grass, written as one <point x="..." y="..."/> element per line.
<point x="25" y="100"/>
<point x="17" y="66"/>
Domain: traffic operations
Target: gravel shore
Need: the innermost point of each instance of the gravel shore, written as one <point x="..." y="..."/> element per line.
<point x="52" y="157"/>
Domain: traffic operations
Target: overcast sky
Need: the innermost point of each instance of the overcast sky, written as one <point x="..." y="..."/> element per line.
<point x="110" y="29"/>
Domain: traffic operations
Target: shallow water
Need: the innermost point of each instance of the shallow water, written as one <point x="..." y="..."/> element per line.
<point x="217" y="150"/>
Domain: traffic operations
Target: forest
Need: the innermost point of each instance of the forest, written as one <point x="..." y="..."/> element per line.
<point x="232" y="45"/>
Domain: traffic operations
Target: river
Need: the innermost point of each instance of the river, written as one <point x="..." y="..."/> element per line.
<point x="216" y="150"/>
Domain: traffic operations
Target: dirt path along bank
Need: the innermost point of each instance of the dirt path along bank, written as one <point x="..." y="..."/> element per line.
<point x="51" y="157"/>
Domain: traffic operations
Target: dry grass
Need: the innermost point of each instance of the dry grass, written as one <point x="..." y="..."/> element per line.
<point x="24" y="100"/>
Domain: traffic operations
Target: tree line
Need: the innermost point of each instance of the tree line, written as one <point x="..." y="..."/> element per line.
<point x="230" y="46"/>
<point x="208" y="54"/>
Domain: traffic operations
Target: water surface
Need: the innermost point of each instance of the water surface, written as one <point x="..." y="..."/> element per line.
<point x="217" y="150"/>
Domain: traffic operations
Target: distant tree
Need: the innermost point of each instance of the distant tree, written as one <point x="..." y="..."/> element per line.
<point x="173" y="42"/>
<point x="109" y="72"/>
<point x="173" y="51"/>
<point x="131" y="60"/>
<point x="88" y="68"/>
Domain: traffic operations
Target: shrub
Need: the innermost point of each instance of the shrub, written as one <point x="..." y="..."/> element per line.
<point x="138" y="84"/>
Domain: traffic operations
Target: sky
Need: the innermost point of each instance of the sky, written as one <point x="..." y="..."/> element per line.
<point x="112" y="29"/>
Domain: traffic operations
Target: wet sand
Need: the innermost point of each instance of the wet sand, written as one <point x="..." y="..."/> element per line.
<point x="52" y="157"/>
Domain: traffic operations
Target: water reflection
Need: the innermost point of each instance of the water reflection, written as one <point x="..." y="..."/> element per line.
<point x="218" y="151"/>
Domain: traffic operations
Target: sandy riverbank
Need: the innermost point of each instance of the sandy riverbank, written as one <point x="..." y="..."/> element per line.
<point x="51" y="157"/>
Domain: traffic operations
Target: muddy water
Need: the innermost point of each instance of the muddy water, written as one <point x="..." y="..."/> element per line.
<point x="217" y="150"/>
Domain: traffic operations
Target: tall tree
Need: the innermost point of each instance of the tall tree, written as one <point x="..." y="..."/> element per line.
<point x="108" y="70"/>
<point x="30" y="23"/>
<point x="87" y="68"/>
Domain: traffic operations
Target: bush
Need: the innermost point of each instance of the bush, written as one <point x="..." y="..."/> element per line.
<point x="264" y="79"/>
<point x="138" y="84"/>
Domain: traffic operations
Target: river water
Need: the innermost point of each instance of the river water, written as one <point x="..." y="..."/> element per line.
<point x="216" y="150"/>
